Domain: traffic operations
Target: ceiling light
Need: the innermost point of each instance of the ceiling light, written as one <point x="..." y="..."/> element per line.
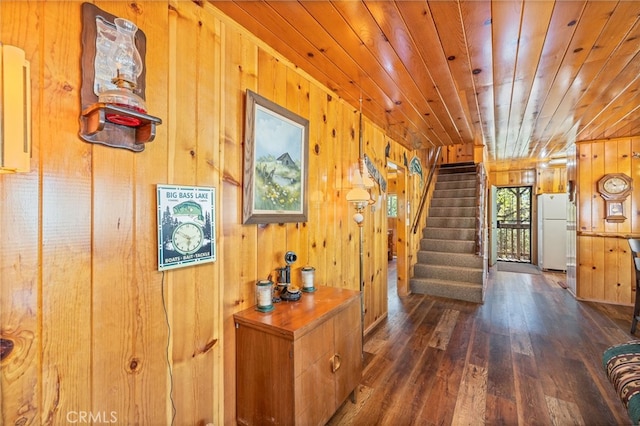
<point x="557" y="161"/>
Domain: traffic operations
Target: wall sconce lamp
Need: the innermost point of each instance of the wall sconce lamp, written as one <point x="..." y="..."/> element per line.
<point x="114" y="111"/>
<point x="15" y="110"/>
<point x="360" y="195"/>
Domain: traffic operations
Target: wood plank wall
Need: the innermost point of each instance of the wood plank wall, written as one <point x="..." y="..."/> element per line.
<point x="457" y="153"/>
<point x="516" y="177"/>
<point x="604" y="268"/>
<point x="95" y="325"/>
<point x="544" y="180"/>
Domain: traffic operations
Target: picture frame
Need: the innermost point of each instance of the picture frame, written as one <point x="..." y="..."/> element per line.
<point x="615" y="211"/>
<point x="276" y="152"/>
<point x="186" y="226"/>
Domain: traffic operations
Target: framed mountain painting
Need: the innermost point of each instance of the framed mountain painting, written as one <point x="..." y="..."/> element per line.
<point x="275" y="163"/>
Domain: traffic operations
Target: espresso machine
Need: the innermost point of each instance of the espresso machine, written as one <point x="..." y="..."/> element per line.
<point x="287" y="291"/>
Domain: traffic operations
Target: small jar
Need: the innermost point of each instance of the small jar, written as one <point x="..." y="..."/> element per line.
<point x="264" y="296"/>
<point x="308" y="277"/>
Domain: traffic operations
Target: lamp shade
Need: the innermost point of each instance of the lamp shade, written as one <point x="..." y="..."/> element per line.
<point x="367" y="181"/>
<point x="358" y="195"/>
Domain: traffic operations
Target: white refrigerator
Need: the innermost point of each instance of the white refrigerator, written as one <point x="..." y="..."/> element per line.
<point x="552" y="231"/>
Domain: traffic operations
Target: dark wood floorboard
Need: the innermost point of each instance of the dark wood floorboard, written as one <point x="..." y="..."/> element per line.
<point x="530" y="355"/>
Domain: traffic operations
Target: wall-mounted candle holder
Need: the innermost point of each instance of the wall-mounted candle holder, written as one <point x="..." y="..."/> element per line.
<point x="114" y="111"/>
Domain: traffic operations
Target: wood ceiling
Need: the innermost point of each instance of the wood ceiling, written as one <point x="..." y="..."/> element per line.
<point x="525" y="78"/>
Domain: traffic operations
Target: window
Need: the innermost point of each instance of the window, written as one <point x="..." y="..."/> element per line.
<point x="392" y="205"/>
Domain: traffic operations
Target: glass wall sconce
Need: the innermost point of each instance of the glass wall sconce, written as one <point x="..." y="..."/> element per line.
<point x="114" y="112"/>
<point x="359" y="195"/>
<point x="15" y="110"/>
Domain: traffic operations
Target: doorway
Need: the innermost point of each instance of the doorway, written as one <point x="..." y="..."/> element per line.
<point x="513" y="217"/>
<point x="397" y="225"/>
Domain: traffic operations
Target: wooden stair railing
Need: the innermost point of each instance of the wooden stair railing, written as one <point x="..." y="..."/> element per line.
<point x="481" y="183"/>
<point x="433" y="165"/>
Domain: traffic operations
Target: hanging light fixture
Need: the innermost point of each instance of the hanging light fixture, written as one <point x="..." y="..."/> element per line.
<point x="359" y="195"/>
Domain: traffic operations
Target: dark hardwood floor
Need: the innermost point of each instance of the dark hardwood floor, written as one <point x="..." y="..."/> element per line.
<point x="531" y="354"/>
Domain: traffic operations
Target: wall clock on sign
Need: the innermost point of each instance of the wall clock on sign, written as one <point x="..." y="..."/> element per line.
<point x="186" y="226"/>
<point x="614" y="188"/>
<point x="187" y="238"/>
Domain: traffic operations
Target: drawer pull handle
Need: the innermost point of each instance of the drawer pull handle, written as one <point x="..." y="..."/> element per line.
<point x="335" y="363"/>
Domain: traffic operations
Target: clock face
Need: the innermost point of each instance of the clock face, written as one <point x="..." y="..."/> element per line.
<point x="187" y="238"/>
<point x="615" y="185"/>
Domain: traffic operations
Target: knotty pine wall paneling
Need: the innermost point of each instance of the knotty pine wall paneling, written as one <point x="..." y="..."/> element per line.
<point x="524" y="177"/>
<point x="348" y="141"/>
<point x="65" y="179"/>
<point x="193" y="159"/>
<point x="375" y="226"/>
<point x="604" y="269"/>
<point x="81" y="295"/>
<point x="128" y="347"/>
<point x="320" y="160"/>
<point x="240" y="265"/>
<point x="327" y="179"/>
<point x="458" y="153"/>
<point x="297" y="233"/>
<point x="329" y="239"/>
<point x="20" y="245"/>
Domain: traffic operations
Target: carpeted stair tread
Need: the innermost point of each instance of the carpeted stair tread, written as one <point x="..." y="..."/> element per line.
<point x="454" y="193"/>
<point x="447" y="272"/>
<point x="451" y="282"/>
<point x="447" y="234"/>
<point x="469" y="260"/>
<point x="456" y="184"/>
<point x="458" y="168"/>
<point x="448" y="246"/>
<point x="454" y="202"/>
<point x="452" y="211"/>
<point x="470" y="292"/>
<point x="452" y="222"/>
<point x="456" y="176"/>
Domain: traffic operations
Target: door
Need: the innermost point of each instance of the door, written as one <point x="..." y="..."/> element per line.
<point x="513" y="209"/>
<point x="493" y="237"/>
<point x="397" y="181"/>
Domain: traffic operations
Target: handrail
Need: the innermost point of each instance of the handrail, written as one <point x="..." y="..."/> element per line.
<point x="433" y="161"/>
<point x="480" y="206"/>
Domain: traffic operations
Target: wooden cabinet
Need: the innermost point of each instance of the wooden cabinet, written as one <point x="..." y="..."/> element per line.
<point x="298" y="363"/>
<point x="551" y="180"/>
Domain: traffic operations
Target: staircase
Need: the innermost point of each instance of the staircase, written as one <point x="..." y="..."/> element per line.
<point x="447" y="264"/>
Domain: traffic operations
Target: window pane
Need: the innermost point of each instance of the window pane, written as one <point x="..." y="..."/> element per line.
<point x="392" y="205"/>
